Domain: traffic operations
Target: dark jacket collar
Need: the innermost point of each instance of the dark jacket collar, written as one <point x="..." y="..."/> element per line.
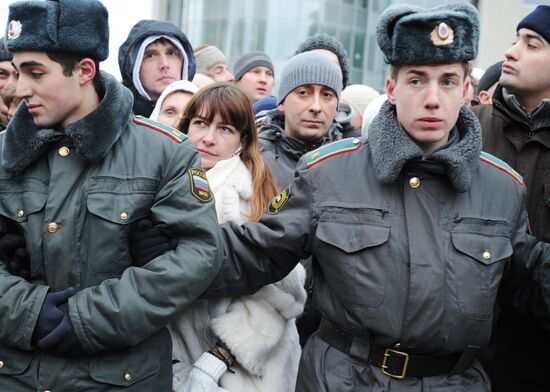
<point x="93" y="135"/>
<point x="272" y="130"/>
<point x="392" y="148"/>
<point x="508" y="103"/>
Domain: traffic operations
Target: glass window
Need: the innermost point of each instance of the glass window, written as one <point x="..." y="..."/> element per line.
<point x="358" y="50"/>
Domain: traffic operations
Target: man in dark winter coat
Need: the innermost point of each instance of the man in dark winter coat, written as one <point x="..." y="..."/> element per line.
<point x="154" y="55"/>
<point x="516" y="128"/>
<point x="308" y="98"/>
<point x="77" y="169"/>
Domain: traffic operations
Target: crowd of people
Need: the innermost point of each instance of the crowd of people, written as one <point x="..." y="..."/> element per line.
<point x="189" y="229"/>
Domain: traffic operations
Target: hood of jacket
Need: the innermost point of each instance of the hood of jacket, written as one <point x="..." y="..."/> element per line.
<point x="129" y="49"/>
<point x="392" y="148"/>
<point x="93" y="135"/>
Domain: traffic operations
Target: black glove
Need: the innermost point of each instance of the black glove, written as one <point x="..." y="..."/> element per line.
<point x="50" y="315"/>
<point x="14" y="254"/>
<point x="147" y="242"/>
<point x="62" y="340"/>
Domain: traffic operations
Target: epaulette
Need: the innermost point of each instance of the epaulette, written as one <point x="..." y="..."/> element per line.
<point x="501" y="165"/>
<point x="172" y="133"/>
<point x="330" y="150"/>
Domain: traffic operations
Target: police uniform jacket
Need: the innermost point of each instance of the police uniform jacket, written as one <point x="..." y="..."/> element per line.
<point x="408" y="249"/>
<point x="74" y="195"/>
<point x="523" y="141"/>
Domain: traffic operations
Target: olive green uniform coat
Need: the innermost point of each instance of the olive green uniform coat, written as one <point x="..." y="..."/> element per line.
<point x="74" y="195"/>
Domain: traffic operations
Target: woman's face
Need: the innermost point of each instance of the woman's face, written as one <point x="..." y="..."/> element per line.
<point x="173" y="108"/>
<point x="215" y="141"/>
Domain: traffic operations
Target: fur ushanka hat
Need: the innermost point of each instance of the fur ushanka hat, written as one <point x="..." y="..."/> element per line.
<point x="79" y="27"/>
<point x="441" y="35"/>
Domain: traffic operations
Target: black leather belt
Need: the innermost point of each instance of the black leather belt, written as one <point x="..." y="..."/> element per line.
<point x="392" y="361"/>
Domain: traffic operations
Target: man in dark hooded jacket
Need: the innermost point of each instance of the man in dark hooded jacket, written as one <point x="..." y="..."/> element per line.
<point x="154" y="55"/>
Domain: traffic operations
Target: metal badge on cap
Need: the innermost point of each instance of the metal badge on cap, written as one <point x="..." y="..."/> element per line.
<point x="442" y="34"/>
<point x="14" y="29"/>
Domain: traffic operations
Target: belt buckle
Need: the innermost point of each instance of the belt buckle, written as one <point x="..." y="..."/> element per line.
<point x="387" y="354"/>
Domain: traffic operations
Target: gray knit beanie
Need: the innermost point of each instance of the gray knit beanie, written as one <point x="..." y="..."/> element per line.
<point x="208" y="57"/>
<point x="328" y="42"/>
<point x="309" y="68"/>
<point x="251" y="60"/>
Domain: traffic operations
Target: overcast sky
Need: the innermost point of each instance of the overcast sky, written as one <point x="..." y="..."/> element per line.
<point x="123" y="14"/>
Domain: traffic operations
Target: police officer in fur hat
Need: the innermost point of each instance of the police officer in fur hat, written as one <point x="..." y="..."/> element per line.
<point x="77" y="168"/>
<point x="408" y="257"/>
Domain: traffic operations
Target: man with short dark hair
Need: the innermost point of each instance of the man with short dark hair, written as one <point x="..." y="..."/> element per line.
<point x="77" y="169"/>
<point x="516" y="128"/>
<point x="155" y="54"/>
<point x="308" y="98"/>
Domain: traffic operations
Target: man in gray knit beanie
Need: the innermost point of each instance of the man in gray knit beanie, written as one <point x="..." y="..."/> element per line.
<point x="254" y="75"/>
<point x="309" y="91"/>
<point x="213" y="63"/>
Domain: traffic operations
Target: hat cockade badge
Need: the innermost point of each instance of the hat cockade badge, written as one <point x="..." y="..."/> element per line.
<point x="442" y="34"/>
<point x="14" y="29"/>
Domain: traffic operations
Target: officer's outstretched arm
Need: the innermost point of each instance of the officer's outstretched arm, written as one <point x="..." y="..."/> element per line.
<point x="256" y="254"/>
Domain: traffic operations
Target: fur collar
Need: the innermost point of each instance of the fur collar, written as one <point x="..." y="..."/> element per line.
<point x="92" y="135"/>
<point x="392" y="148"/>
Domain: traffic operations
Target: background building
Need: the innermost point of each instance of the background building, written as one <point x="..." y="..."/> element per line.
<point x="278" y="28"/>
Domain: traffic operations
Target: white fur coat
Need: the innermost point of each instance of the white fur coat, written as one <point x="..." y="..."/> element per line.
<point x="259" y="329"/>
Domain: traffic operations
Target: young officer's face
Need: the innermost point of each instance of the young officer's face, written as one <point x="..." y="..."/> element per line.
<point x="526" y="71"/>
<point x="427" y="99"/>
<point x="51" y="97"/>
<point x="309" y="112"/>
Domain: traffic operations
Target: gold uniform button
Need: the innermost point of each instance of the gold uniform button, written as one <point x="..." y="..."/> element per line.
<point x="128" y="376"/>
<point x="53" y="227"/>
<point x="20" y="213"/>
<point x="486" y="255"/>
<point x="1" y="364"/>
<point x="414" y="182"/>
<point x="63" y="151"/>
<point x="124" y="216"/>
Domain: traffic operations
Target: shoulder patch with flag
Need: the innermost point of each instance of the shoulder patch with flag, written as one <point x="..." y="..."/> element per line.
<point x="199" y="184"/>
<point x="501" y="165"/>
<point x="172" y="133"/>
<point x="331" y="150"/>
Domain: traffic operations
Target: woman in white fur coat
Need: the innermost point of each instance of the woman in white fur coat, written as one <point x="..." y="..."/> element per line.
<point x="258" y="330"/>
